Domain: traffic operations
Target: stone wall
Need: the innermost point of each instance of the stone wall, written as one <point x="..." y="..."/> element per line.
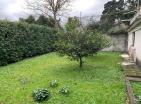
<point x="119" y="43"/>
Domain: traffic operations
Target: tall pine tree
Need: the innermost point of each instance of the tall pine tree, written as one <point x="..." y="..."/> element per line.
<point x="117" y="10"/>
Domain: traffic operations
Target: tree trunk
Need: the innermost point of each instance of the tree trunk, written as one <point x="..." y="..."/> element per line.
<point x="55" y="20"/>
<point x="81" y="62"/>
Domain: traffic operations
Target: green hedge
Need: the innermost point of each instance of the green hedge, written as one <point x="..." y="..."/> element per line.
<point x="22" y="40"/>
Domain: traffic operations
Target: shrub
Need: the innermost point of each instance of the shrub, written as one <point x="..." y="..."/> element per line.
<point x="53" y="83"/>
<point x="64" y="90"/>
<point x="41" y="95"/>
<point x="22" y="40"/>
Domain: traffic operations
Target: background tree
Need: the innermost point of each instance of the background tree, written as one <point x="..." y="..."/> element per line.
<point x="116" y="11"/>
<point x="78" y="44"/>
<point x="30" y="19"/>
<point x="41" y="20"/>
<point x="131" y="4"/>
<point x="50" y="8"/>
<point x="72" y="23"/>
<point x="46" y="21"/>
<point x="93" y="24"/>
<point x="108" y="15"/>
<point x="130" y="8"/>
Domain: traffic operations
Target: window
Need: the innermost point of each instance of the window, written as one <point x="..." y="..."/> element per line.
<point x="133" y="39"/>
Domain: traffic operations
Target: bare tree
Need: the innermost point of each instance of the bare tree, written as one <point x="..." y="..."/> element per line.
<point x="50" y="8"/>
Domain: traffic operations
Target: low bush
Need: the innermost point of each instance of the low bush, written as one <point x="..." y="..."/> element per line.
<point x="41" y="95"/>
<point x="53" y="83"/>
<point x="64" y="90"/>
<point x="22" y="40"/>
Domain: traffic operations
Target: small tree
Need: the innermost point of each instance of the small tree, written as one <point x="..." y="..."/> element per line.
<point x="79" y="43"/>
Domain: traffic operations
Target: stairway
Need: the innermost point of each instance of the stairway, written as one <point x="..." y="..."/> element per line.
<point x="132" y="73"/>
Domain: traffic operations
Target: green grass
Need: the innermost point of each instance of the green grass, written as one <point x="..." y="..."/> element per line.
<point x="136" y="88"/>
<point x="100" y="81"/>
<point x="137" y="91"/>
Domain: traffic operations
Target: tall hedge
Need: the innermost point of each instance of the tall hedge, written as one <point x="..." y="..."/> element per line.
<point x="22" y="40"/>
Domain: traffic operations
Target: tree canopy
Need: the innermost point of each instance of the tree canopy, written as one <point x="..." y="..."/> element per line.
<point x="116" y="11"/>
<point x="79" y="43"/>
<point x="30" y="19"/>
<point x="41" y="20"/>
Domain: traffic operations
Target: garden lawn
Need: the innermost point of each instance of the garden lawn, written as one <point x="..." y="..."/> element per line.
<point x="100" y="81"/>
<point x="137" y="91"/>
<point x="136" y="88"/>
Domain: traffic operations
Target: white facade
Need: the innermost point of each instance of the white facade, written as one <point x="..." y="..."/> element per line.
<point x="134" y="39"/>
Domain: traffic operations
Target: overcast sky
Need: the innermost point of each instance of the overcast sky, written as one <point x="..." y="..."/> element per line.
<point x="13" y="9"/>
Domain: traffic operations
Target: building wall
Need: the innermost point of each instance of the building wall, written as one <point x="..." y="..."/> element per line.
<point x="137" y="43"/>
<point x="130" y="39"/>
<point x="118" y="43"/>
<point x="138" y="46"/>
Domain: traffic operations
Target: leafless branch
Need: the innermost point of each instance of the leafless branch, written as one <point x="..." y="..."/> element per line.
<point x="53" y="8"/>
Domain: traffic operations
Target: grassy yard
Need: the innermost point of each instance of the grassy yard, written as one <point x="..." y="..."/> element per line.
<point x="137" y="91"/>
<point x="99" y="82"/>
<point x="137" y="88"/>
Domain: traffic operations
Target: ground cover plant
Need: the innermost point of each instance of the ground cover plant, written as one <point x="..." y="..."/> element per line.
<point x="41" y="95"/>
<point x="137" y="91"/>
<point x="99" y="82"/>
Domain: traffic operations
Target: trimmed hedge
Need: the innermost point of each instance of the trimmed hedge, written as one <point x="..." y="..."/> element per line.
<point x="22" y="40"/>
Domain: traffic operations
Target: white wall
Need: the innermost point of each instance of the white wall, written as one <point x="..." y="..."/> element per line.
<point x="130" y="39"/>
<point x="137" y="44"/>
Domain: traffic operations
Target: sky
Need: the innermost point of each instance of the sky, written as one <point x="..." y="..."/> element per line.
<point x="13" y="9"/>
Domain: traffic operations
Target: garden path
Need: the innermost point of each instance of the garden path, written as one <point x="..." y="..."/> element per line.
<point x="132" y="73"/>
